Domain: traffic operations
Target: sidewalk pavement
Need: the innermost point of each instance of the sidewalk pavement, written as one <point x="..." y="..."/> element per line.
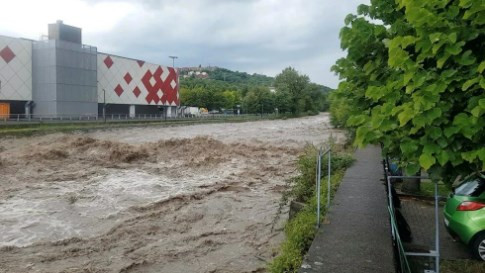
<point x="355" y="235"/>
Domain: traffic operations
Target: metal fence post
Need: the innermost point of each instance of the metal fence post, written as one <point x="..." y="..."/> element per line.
<point x="391" y="205"/>
<point x="316" y="171"/>
<point x="437" y="227"/>
<point x="319" y="167"/>
<point x="328" y="181"/>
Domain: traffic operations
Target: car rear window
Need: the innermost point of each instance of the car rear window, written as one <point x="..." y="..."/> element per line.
<point x="473" y="186"/>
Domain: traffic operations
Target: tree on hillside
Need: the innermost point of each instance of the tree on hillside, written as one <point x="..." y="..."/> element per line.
<point x="292" y="85"/>
<point x="413" y="80"/>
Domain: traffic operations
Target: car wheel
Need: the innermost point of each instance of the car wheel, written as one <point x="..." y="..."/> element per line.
<point x="478" y="247"/>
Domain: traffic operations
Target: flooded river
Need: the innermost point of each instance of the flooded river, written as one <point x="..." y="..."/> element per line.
<point x="198" y="198"/>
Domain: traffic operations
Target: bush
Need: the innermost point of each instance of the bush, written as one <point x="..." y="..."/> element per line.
<point x="303" y="185"/>
<point x="312" y="112"/>
<point x="340" y="110"/>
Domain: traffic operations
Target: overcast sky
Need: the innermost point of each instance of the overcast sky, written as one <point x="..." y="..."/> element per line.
<point x="255" y="36"/>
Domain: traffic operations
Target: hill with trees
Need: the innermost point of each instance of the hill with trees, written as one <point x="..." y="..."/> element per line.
<point x="289" y="92"/>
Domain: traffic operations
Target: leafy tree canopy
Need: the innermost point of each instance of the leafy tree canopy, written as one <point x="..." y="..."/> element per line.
<point x="259" y="100"/>
<point x="413" y="81"/>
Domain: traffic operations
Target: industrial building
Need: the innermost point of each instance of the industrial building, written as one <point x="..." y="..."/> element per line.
<point x="59" y="76"/>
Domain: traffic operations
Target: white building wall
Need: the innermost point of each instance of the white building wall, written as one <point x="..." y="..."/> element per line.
<point x="15" y="69"/>
<point x="128" y="81"/>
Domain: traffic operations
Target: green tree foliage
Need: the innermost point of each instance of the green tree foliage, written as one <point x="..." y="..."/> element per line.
<point x="243" y="78"/>
<point x="296" y="94"/>
<point x="413" y="80"/>
<point x="231" y="99"/>
<point x="226" y="89"/>
<point x="259" y="100"/>
<point x="340" y="108"/>
<point x="202" y="97"/>
<point x="315" y="98"/>
<point x="292" y="85"/>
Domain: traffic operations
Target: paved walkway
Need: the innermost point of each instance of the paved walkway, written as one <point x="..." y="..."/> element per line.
<point x="355" y="236"/>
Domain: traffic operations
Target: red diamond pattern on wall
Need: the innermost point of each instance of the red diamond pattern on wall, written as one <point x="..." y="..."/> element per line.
<point x="127" y="78"/>
<point x="7" y="54"/>
<point x="140" y="63"/>
<point x="169" y="88"/>
<point x="119" y="90"/>
<point x="154" y="85"/>
<point x="108" y="62"/>
<point x="136" y="91"/>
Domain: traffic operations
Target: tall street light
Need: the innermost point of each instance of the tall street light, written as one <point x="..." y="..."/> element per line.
<point x="104" y="105"/>
<point x="173" y="66"/>
<point x="173" y="60"/>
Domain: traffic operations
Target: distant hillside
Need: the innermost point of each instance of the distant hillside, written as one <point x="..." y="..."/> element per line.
<point x="227" y="75"/>
<point x="202" y="76"/>
<point x="224" y="76"/>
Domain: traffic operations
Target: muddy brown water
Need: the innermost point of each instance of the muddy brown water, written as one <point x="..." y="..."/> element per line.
<point x="198" y="198"/>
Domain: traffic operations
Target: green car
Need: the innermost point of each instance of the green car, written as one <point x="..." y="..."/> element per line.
<point x="465" y="214"/>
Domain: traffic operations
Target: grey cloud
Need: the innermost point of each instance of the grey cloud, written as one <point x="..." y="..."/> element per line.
<point x="261" y="36"/>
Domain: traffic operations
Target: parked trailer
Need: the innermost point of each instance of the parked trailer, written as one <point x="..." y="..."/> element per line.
<point x="192" y="111"/>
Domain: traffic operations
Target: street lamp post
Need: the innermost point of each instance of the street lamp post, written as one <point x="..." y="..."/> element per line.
<point x="104" y="105"/>
<point x="173" y="60"/>
<point x="173" y="66"/>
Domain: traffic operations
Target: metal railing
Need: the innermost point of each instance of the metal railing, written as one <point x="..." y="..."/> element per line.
<point x="403" y="255"/>
<point x="22" y="118"/>
<point x="403" y="261"/>
<point x="319" y="177"/>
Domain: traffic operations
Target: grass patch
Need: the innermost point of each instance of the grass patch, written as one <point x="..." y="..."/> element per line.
<point x="465" y="266"/>
<point x="300" y="230"/>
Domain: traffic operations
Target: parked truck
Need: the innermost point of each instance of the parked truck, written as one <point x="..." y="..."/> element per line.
<point x="192" y="112"/>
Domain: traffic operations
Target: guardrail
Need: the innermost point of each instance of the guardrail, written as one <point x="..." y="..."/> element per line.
<point x="402" y="254"/>
<point x="22" y="118"/>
